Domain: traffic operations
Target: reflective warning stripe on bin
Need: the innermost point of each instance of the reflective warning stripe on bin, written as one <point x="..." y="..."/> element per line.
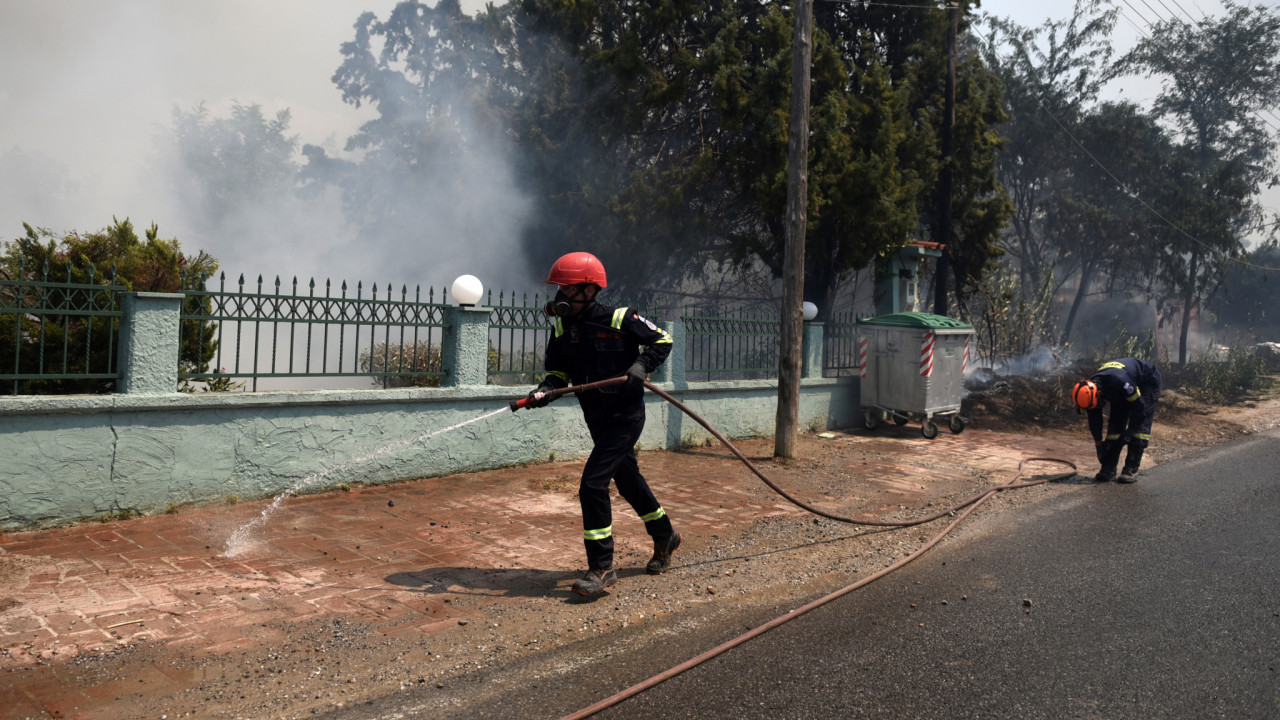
<point x="862" y="357"/>
<point x="965" y="365"/>
<point x="926" y="356"/>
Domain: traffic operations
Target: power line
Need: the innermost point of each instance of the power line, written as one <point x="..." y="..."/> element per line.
<point x="1135" y="11"/>
<point x="1132" y="24"/>
<point x="1171" y="18"/>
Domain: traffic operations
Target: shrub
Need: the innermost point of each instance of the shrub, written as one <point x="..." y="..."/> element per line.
<point x="1225" y="377"/>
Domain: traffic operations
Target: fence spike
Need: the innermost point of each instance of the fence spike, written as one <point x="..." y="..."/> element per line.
<point x="259" y="283"/>
<point x="46" y="269"/>
<point x="241" y="282"/>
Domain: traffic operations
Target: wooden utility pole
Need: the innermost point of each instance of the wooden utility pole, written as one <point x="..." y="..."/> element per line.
<point x="942" y="278"/>
<point x="792" y="329"/>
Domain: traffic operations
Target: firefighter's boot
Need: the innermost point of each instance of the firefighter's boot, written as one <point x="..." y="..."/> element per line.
<point x="1110" y="458"/>
<point x="662" y="551"/>
<point x="595" y="581"/>
<point x="1132" y="461"/>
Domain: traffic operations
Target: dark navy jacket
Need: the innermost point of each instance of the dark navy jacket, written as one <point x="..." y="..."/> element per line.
<point x="601" y="343"/>
<point x="1123" y="383"/>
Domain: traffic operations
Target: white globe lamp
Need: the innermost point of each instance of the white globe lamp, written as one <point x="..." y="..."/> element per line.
<point x="810" y="311"/>
<point x="467" y="290"/>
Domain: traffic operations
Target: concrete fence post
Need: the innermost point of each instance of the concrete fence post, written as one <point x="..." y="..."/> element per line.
<point x="465" y="352"/>
<point x="150" y="328"/>
<point x="811" y="350"/>
<point x="672" y="370"/>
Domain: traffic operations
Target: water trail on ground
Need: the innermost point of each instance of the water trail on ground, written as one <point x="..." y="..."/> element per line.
<point x="239" y="541"/>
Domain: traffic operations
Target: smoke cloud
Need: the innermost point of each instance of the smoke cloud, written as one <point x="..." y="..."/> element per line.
<point x="86" y="134"/>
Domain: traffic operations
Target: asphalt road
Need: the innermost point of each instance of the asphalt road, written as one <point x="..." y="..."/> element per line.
<point x="1154" y="600"/>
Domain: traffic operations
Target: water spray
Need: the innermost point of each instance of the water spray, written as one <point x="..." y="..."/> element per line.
<point x="239" y="539"/>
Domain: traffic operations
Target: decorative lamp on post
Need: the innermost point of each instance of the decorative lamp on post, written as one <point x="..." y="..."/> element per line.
<point x="810" y="311"/>
<point x="467" y="290"/>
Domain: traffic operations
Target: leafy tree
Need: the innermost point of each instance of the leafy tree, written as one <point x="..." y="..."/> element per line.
<point x="655" y="134"/>
<point x="703" y="91"/>
<point x="434" y="165"/>
<point x="1051" y="76"/>
<point x="223" y="168"/>
<point x="1095" y="218"/>
<point x="1217" y="75"/>
<point x="153" y="265"/>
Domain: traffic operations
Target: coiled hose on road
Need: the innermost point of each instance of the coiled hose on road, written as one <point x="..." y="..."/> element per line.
<point x="968" y="506"/>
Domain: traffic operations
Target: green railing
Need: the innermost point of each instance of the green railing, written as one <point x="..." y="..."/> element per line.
<point x="312" y="332"/>
<point x="840" y="346"/>
<point x="58" y="333"/>
<point x="738" y="345"/>
<point x="517" y="339"/>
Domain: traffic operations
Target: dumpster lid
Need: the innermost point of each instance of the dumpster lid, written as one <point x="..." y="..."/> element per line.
<point x="916" y="320"/>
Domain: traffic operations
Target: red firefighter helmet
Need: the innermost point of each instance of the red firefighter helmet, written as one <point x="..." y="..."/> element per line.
<point x="577" y="268"/>
<point x="1086" y="395"/>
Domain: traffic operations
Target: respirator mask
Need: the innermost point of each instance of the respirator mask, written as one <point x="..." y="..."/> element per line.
<point x="562" y="304"/>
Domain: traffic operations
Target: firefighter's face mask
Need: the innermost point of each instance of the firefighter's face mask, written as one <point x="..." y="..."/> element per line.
<point x="569" y="301"/>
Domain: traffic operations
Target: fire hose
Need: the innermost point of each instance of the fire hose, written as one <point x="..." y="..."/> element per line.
<point x="966" y="506"/>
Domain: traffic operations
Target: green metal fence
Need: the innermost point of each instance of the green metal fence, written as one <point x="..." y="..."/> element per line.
<point x="737" y="345"/>
<point x="58" y="332"/>
<point x="517" y="339"/>
<point x="312" y="332"/>
<point x="840" y="346"/>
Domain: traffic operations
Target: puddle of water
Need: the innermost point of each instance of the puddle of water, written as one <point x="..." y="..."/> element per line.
<point x="240" y="540"/>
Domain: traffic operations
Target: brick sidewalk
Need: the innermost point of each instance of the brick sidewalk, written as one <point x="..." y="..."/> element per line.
<point x="366" y="554"/>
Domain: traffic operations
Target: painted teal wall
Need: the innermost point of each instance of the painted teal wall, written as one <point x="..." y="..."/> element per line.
<point x="81" y="457"/>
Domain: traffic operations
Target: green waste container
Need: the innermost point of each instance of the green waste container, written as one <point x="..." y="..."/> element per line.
<point x="912" y="369"/>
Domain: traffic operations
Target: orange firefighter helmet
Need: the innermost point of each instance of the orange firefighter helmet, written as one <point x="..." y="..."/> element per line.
<point x="577" y="268"/>
<point x="1086" y="395"/>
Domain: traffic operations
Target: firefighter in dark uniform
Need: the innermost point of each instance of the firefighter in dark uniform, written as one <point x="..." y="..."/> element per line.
<point x="1132" y="387"/>
<point x="591" y="341"/>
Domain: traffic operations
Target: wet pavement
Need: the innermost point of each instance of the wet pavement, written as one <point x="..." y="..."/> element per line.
<point x="391" y="556"/>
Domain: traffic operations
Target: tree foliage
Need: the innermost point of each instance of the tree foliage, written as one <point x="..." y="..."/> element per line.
<point x="655" y="134"/>
<point x="1051" y="75"/>
<point x="150" y="264"/>
<point x="1217" y="75"/>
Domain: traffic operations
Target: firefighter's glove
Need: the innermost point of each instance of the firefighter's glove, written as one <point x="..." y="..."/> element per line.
<point x="635" y="374"/>
<point x="540" y="397"/>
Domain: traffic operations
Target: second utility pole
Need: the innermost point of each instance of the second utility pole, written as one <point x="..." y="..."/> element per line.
<point x="942" y="277"/>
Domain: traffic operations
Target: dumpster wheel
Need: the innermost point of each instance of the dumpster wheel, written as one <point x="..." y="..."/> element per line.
<point x="928" y="429"/>
<point x="956" y="425"/>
